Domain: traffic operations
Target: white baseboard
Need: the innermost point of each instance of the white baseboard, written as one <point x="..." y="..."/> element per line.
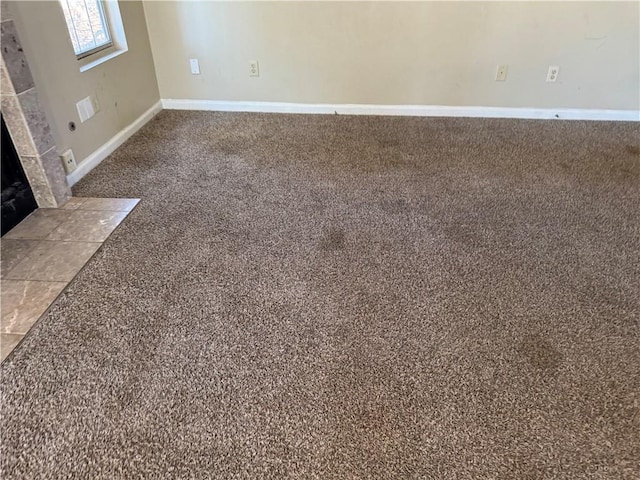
<point x="94" y="159"/>
<point x="407" y="110"/>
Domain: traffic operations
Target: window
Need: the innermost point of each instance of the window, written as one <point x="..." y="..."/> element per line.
<point x="88" y="26"/>
<point x="95" y="29"/>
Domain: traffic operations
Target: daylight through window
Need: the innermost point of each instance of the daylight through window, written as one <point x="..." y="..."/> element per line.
<point x="87" y="26"/>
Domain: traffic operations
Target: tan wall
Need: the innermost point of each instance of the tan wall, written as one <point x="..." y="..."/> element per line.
<point x="126" y="85"/>
<point x="435" y="53"/>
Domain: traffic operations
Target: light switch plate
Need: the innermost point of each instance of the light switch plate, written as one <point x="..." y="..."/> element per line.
<point x="195" y="66"/>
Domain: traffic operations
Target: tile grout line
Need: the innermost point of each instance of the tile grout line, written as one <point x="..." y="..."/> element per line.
<point x="57" y="241"/>
<point x="37" y="280"/>
<point x="32" y="280"/>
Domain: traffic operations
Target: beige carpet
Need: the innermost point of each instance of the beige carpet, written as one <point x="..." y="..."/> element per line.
<point x="340" y="297"/>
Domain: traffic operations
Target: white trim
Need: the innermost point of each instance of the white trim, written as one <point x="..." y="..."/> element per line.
<point x="86" y="165"/>
<point x="410" y="110"/>
<point x="92" y="161"/>
<point x="97" y="58"/>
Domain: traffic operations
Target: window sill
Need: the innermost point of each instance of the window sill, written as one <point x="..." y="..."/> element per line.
<point x="101" y="59"/>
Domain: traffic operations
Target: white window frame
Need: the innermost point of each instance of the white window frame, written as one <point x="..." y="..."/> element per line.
<point x="118" y="45"/>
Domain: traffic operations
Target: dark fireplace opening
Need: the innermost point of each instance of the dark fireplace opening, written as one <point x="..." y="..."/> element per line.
<point x="17" y="197"/>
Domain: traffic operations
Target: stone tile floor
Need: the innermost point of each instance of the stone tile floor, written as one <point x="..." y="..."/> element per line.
<point x="42" y="254"/>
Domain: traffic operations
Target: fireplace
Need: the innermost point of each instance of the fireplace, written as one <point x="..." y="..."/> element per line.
<point x="31" y="167"/>
<point x="17" y="198"/>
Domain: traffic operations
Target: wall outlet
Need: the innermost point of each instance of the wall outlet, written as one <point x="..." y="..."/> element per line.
<point x="552" y="74"/>
<point x="85" y="109"/>
<point x="195" y="66"/>
<point x="68" y="161"/>
<point x="501" y="73"/>
<point x="254" y="68"/>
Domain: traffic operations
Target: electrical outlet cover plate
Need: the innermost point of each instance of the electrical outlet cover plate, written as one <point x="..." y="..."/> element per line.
<point x="254" y="68"/>
<point x="68" y="161"/>
<point x="501" y="73"/>
<point x="552" y="74"/>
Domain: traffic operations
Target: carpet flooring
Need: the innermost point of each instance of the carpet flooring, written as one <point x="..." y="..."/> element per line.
<point x="339" y="297"/>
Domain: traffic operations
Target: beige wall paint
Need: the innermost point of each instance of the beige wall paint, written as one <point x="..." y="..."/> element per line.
<point x="126" y="85"/>
<point x="429" y="53"/>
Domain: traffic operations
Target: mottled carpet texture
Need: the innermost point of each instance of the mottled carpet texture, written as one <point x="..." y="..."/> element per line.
<point x="340" y="297"/>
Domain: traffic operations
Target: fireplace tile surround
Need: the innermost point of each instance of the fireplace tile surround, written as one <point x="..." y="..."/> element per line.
<point x="26" y="120"/>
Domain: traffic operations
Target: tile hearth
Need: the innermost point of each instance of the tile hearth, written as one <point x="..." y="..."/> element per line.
<point x="42" y="254"/>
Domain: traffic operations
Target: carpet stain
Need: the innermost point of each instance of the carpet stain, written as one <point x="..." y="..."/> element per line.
<point x="540" y="353"/>
<point x="333" y="238"/>
<point x="467" y="234"/>
<point x="388" y="143"/>
<point x="395" y="207"/>
<point x="632" y="149"/>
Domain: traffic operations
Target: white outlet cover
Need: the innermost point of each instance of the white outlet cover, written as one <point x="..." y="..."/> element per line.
<point x="68" y="161"/>
<point x="254" y="68"/>
<point x="195" y="66"/>
<point x="552" y="74"/>
<point x="501" y="73"/>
